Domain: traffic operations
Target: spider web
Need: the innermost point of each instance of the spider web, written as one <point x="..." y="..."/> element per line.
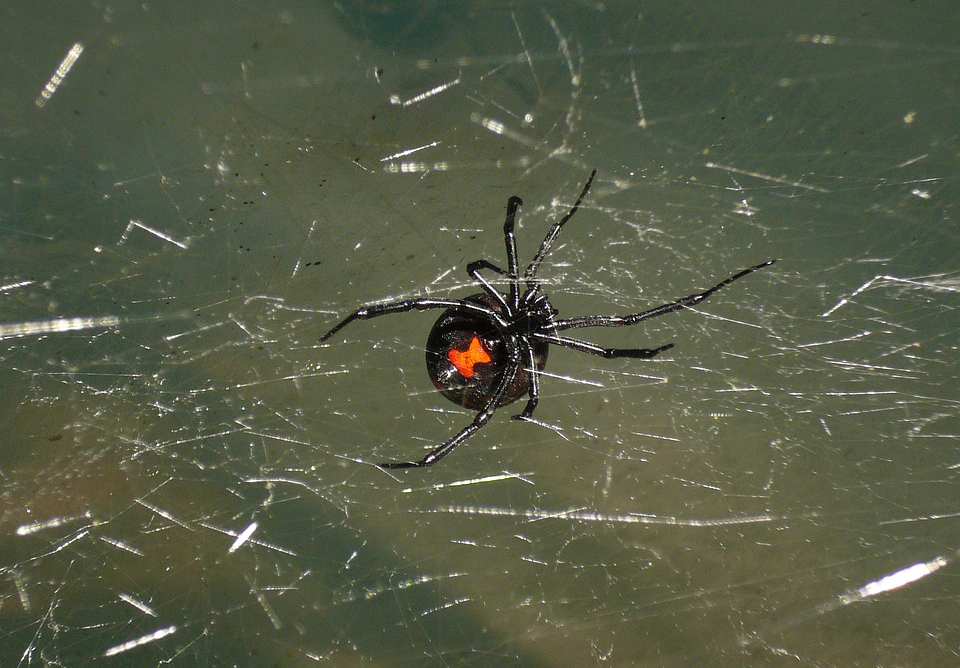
<point x="193" y="194"/>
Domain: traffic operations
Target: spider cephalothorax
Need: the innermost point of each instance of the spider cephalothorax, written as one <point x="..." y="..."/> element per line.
<point x="487" y="350"/>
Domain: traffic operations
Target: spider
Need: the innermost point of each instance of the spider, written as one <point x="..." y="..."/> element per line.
<point x="487" y="350"/>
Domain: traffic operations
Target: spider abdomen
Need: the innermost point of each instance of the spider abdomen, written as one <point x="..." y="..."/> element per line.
<point x="467" y="355"/>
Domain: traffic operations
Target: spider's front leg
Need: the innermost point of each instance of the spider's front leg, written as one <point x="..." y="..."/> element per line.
<point x="473" y="270"/>
<point x="479" y="420"/>
<point x="655" y="312"/>
<point x="531" y="273"/>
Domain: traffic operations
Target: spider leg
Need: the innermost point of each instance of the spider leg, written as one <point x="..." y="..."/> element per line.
<point x="585" y="347"/>
<point x="533" y="384"/>
<point x="479" y="420"/>
<point x="530" y="274"/>
<point x="510" y="241"/>
<point x="633" y="319"/>
<point x="477" y="265"/>
<point x="376" y="310"/>
<point x="473" y="270"/>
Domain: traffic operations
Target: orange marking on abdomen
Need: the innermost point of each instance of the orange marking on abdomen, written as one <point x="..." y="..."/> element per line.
<point x="465" y="361"/>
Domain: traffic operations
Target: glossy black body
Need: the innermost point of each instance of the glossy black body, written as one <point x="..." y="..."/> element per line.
<point x="516" y="329"/>
<point x="455" y="329"/>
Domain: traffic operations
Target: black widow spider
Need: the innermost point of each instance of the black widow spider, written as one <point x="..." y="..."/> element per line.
<point x="487" y="350"/>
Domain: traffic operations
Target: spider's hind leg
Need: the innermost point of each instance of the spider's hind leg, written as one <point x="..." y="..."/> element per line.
<point x="404" y="305"/>
<point x="533" y="385"/>
<point x="609" y="353"/>
<point x="479" y="420"/>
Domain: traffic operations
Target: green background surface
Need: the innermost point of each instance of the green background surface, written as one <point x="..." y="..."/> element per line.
<point x="187" y="476"/>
